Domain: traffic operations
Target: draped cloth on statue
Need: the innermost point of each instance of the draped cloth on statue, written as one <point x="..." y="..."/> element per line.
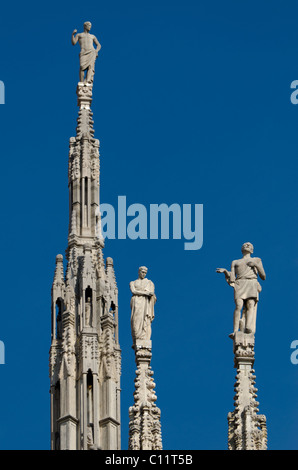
<point x="142" y="309"/>
<point x="246" y="284"/>
<point x="87" y="58"/>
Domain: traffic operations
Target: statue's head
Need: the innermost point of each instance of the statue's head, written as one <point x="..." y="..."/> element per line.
<point x="142" y="272"/>
<point x="247" y="248"/>
<point x="87" y="26"/>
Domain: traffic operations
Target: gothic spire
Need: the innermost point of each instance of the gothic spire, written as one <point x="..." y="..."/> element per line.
<point x="85" y="356"/>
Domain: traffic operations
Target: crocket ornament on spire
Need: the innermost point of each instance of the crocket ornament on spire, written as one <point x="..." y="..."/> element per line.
<point x="243" y="277"/>
<point x="88" y="53"/>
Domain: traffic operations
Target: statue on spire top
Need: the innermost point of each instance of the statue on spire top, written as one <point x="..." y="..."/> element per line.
<point x="243" y="277"/>
<point x="142" y="306"/>
<point x="88" y="53"/>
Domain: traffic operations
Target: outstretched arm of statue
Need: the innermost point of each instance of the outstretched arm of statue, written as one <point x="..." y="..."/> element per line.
<point x="229" y="275"/>
<point x="226" y="273"/>
<point x="74" y="39"/>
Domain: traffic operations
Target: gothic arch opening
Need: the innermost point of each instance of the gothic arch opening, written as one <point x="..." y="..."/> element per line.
<point x="59" y="310"/>
<point x="88" y="306"/>
<point x="57" y="415"/>
<point x="90" y="408"/>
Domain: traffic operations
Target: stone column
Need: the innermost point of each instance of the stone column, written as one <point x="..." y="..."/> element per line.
<point x="144" y="415"/>
<point x="247" y="429"/>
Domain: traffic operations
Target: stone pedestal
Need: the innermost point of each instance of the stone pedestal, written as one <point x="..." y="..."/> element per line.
<point x="144" y="415"/>
<point x="84" y="94"/>
<point x="247" y="429"/>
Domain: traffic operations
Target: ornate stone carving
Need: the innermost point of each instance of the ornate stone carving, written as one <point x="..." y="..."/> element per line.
<point x="95" y="163"/>
<point x="246" y="429"/>
<point x="144" y="423"/>
<point x="69" y="299"/>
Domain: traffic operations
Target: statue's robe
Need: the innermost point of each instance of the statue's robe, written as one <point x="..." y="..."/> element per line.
<point x="142" y="309"/>
<point x="87" y="59"/>
<point x="246" y="284"/>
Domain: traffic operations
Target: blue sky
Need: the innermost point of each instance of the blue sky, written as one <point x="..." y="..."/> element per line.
<point x="192" y="106"/>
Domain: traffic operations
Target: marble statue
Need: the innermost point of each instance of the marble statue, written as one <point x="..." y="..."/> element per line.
<point x="142" y="306"/>
<point x="243" y="277"/>
<point x="88" y="53"/>
<point x="69" y="298"/>
<point x="88" y="312"/>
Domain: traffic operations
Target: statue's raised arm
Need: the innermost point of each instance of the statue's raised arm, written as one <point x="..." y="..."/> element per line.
<point x="88" y="53"/>
<point x="74" y="39"/>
